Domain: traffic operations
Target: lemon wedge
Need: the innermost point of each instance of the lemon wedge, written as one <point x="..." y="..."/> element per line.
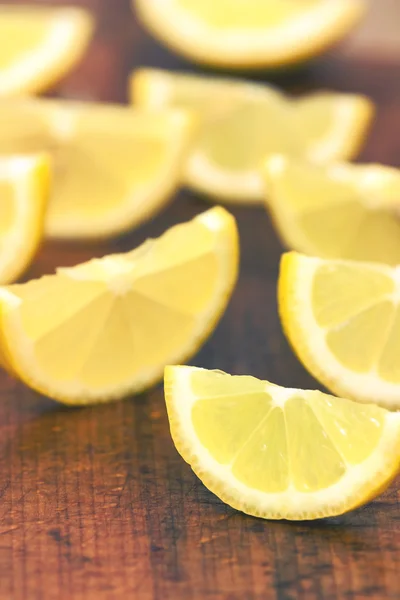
<point x="343" y="321"/>
<point x="242" y="123"/>
<point x="39" y="45"/>
<point x="280" y="453"/>
<point x="106" y="328"/>
<point x="337" y="211"/>
<point x="249" y="33"/>
<point x="114" y="166"/>
<point x="24" y="190"/>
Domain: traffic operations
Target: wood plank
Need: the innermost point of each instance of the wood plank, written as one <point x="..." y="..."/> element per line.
<point x="96" y="504"/>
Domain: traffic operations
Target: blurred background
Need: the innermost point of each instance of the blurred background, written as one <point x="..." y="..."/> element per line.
<point x="366" y="62"/>
<point x="120" y="44"/>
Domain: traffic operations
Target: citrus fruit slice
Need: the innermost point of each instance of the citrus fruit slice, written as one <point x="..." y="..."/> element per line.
<point x="338" y="211"/>
<point x="343" y="321"/>
<point x="39" y="45"/>
<point x="106" y="328"/>
<point x="242" y="123"/>
<point x="114" y="166"/>
<point x="24" y="190"/>
<point x="249" y="33"/>
<point x="280" y="453"/>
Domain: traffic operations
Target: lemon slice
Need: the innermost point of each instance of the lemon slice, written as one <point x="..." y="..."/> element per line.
<point x="24" y="189"/>
<point x="249" y="33"/>
<point x="114" y="166"/>
<point x="241" y="123"/>
<point x="39" y="45"/>
<point x="280" y="453"/>
<point x="339" y="211"/>
<point x="343" y="321"/>
<point x="106" y="328"/>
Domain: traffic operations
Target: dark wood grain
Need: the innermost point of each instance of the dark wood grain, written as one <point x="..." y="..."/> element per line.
<point x="95" y="503"/>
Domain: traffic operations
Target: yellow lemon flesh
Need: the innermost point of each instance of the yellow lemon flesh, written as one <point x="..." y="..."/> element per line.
<point x="249" y="33"/>
<point x="280" y="453"/>
<point x="343" y="320"/>
<point x="114" y="166"/>
<point x="24" y="191"/>
<point x="242" y="123"/>
<point x="39" y="45"/>
<point x="106" y="328"/>
<point x="339" y="211"/>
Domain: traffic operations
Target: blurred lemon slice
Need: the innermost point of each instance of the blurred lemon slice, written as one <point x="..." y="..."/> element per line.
<point x="343" y="320"/>
<point x="337" y="211"/>
<point x="114" y="166"/>
<point x="241" y="123"/>
<point x="24" y="190"/>
<point x="39" y="45"/>
<point x="106" y="328"/>
<point x="249" y="33"/>
<point x="280" y="453"/>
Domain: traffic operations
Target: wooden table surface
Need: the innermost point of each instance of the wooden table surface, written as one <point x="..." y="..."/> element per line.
<point x="96" y="504"/>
